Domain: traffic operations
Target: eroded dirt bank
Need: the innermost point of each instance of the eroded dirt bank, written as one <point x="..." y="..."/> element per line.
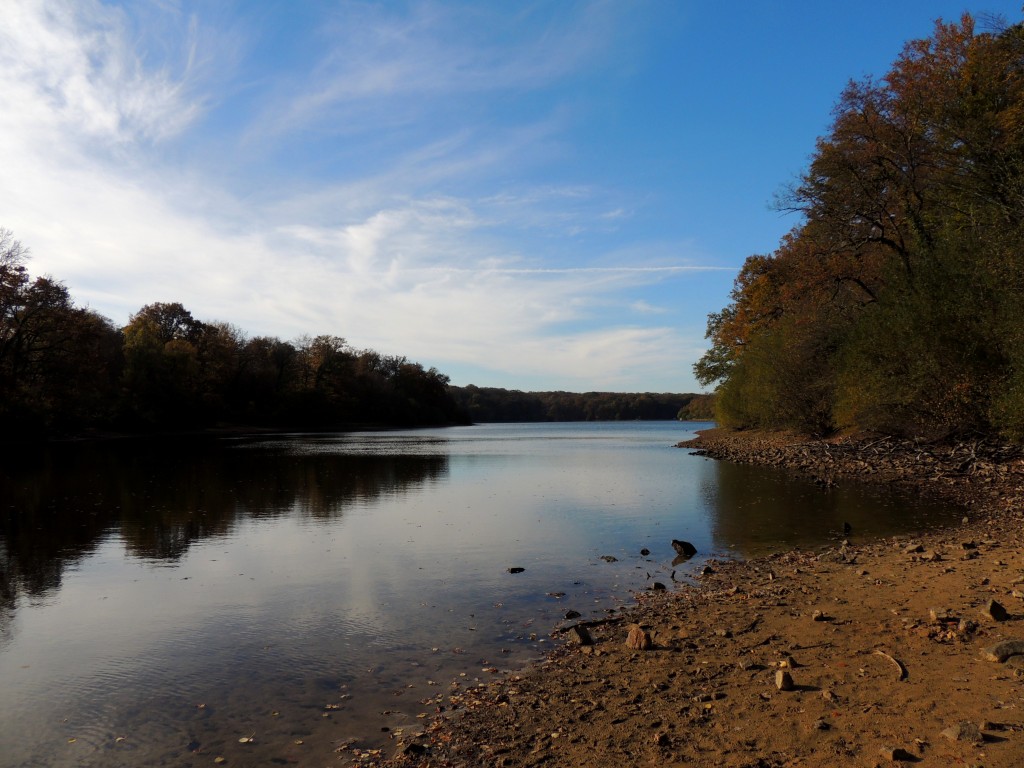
<point x="869" y="653"/>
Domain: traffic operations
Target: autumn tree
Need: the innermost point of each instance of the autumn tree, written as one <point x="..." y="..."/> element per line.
<point x="894" y="305"/>
<point x="58" y="362"/>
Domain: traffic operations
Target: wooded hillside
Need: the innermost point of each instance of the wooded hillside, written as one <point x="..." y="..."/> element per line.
<point x="897" y="303"/>
<point x="66" y="369"/>
<point x="488" y="404"/>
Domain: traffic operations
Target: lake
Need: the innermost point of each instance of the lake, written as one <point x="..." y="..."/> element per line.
<point x="161" y="601"/>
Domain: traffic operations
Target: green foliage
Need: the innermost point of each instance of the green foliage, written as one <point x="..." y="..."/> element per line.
<point x="925" y="361"/>
<point x="781" y="380"/>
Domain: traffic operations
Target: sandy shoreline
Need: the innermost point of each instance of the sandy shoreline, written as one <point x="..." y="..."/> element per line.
<point x="884" y="642"/>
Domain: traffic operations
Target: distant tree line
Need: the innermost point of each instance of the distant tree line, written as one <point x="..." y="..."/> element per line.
<point x="67" y="369"/>
<point x="897" y="304"/>
<point x="486" y="404"/>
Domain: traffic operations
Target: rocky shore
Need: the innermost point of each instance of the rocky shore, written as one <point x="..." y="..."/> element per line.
<point x="881" y="652"/>
<point x="967" y="471"/>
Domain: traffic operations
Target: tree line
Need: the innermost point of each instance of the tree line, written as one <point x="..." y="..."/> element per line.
<point x="896" y="304"/>
<point x="66" y="369"/>
<point x="489" y="404"/>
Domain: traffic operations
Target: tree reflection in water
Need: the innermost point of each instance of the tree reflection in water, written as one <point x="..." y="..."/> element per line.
<point x="60" y="501"/>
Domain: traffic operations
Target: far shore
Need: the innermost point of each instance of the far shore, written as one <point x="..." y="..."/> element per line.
<point x="868" y="653"/>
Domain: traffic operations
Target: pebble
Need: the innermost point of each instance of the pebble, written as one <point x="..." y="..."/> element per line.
<point x="938" y="614"/>
<point x="964" y="732"/>
<point x="995" y="611"/>
<point x="580" y="635"/>
<point x="783" y="680"/>
<point x="894" y="754"/>
<point x="639" y="639"/>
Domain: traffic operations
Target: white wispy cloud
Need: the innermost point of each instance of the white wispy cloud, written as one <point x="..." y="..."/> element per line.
<point x="412" y="255"/>
<point x="377" y="60"/>
<point x="69" y="72"/>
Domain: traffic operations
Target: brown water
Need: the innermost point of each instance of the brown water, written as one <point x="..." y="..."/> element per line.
<point x="160" y="602"/>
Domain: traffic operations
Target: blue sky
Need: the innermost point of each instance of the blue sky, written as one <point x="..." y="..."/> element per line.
<point x="533" y="195"/>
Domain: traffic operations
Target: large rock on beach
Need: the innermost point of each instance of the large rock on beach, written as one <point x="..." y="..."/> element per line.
<point x="639" y="639"/>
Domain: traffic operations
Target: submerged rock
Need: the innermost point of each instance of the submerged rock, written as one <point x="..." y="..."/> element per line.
<point x="684" y="548"/>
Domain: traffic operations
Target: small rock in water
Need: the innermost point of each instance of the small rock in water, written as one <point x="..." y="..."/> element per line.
<point x="645" y="551"/>
<point x="783" y="680"/>
<point x="516" y="569"/>
<point x="572" y="614"/>
<point x="964" y="732"/>
<point x="639" y="639"/>
<point x="995" y="611"/>
<point x="658" y="586"/>
<point x="610" y="558"/>
<point x="684" y="548"/>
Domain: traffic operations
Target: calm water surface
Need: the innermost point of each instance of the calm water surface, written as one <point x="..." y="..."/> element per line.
<point x="160" y="602"/>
